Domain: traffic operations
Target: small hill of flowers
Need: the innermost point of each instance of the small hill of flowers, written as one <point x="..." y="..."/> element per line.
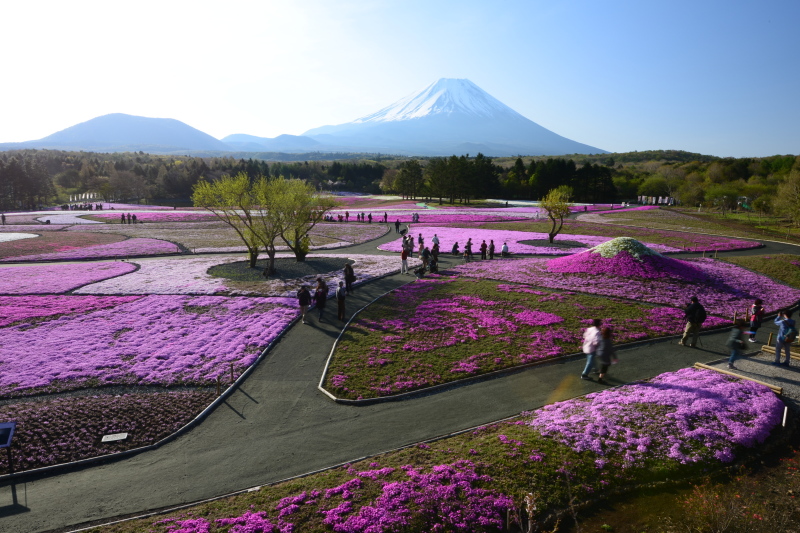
<point x="626" y="257"/>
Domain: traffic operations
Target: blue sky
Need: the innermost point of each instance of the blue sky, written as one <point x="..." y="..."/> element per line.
<point x="715" y="77"/>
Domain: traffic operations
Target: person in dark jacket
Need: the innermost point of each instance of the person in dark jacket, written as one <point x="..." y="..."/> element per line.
<point x="349" y="277"/>
<point x="304" y="299"/>
<point x="321" y="296"/>
<point x="605" y="353"/>
<point x="756" y="317"/>
<point x="341" y="293"/>
<point x="695" y="315"/>
<point x="736" y="341"/>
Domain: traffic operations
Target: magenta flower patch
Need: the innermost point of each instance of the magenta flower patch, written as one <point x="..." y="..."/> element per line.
<point x="50" y="279"/>
<point x="124" y="248"/>
<point x="161" y="340"/>
<point x="686" y="416"/>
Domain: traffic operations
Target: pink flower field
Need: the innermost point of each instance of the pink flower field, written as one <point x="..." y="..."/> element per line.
<point x="158" y="340"/>
<point x="447" y="236"/>
<point x="166" y="216"/>
<point x="722" y="288"/>
<point x="50" y="279"/>
<point x="125" y="248"/>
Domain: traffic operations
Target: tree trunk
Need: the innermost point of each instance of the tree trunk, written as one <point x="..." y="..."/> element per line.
<point x="252" y="256"/>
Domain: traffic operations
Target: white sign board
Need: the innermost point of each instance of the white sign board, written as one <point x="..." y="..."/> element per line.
<point x="114" y="437"/>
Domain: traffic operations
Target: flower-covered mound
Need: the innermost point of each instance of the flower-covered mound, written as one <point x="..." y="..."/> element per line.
<point x="154" y="340"/>
<point x="168" y="216"/>
<point x="628" y="258"/>
<point x="726" y="289"/>
<point x="51" y="242"/>
<point x="69" y="429"/>
<point x="439" y="330"/>
<point x="687" y="416"/>
<point x="49" y="279"/>
<point x="462" y="483"/>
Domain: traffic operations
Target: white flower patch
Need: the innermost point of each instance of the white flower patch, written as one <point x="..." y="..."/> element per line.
<point x="632" y="246"/>
<point x="189" y="275"/>
<point x="8" y="237"/>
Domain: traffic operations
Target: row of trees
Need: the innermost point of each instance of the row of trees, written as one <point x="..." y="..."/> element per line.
<point x="24" y="184"/>
<point x="262" y="210"/>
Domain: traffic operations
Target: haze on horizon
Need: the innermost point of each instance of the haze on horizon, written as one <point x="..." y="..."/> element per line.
<point x="715" y="77"/>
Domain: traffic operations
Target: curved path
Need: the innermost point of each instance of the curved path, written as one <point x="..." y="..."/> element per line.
<point x="278" y="425"/>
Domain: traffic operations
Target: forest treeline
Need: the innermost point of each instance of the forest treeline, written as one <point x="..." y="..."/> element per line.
<point x="33" y="178"/>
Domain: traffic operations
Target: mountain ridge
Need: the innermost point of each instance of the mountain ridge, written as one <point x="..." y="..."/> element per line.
<point x="449" y="116"/>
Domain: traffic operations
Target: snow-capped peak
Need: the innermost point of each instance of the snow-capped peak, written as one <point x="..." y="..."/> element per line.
<point x="446" y="96"/>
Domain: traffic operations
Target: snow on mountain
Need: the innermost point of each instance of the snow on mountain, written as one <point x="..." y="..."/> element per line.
<point x="446" y="96"/>
<point x="443" y="119"/>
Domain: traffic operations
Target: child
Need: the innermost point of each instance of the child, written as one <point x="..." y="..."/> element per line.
<point x="756" y="316"/>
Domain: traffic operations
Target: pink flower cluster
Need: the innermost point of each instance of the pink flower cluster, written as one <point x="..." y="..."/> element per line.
<point x="151" y="340"/>
<point x="126" y="248"/>
<point x="448" y="498"/>
<point x="626" y="265"/>
<point x="15" y="309"/>
<point x="50" y="279"/>
<point x="687" y="416"/>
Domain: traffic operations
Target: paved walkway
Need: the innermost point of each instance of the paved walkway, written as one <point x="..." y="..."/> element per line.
<point x="278" y="425"/>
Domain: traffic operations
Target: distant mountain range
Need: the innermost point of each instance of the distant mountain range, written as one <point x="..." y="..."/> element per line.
<point x="451" y="116"/>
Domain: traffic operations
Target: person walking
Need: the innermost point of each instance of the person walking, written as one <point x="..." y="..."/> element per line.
<point x="787" y="334"/>
<point x="304" y="299"/>
<point x="349" y="277"/>
<point x="591" y="339"/>
<point x="735" y="341"/>
<point x="468" y="248"/>
<point x="321" y="296"/>
<point x="491" y="249"/>
<point x="404" y="261"/>
<point x="695" y="315"/>
<point x="605" y="353"/>
<point x="341" y="293"/>
<point x="756" y="317"/>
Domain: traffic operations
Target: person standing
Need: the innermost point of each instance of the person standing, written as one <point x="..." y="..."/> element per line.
<point x="341" y="293"/>
<point x="404" y="260"/>
<point x="397" y="226"/>
<point x="591" y="339"/>
<point x="425" y="255"/>
<point x="483" y="250"/>
<point x="304" y="299"/>
<point x="349" y="277"/>
<point x="787" y="334"/>
<point x="605" y="353"/>
<point x="736" y="341"/>
<point x="4" y="218"/>
<point x="695" y="315"/>
<point x="321" y="296"/>
<point x="491" y="249"/>
<point x="122" y="217"/>
<point x="369" y="217"/>
<point x="756" y="317"/>
<point x="385" y="217"/>
<point x="347" y="216"/>
<point x="420" y="240"/>
<point x="468" y="248"/>
<point x="435" y="239"/>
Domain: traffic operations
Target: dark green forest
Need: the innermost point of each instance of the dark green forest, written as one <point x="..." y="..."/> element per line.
<point x="36" y="178"/>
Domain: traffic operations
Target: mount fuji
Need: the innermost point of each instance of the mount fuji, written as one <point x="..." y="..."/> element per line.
<point x="450" y="116"/>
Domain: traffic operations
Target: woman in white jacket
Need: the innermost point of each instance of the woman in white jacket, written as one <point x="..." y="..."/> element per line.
<point x="591" y="339"/>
